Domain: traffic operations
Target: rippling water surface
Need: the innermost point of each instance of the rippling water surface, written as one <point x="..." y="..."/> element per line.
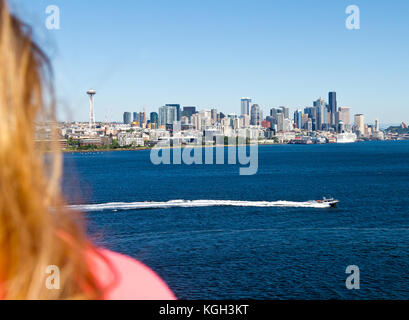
<point x="260" y="252"/>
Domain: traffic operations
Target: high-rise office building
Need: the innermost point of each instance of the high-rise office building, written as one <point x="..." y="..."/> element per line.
<point x="273" y="115"/>
<point x="286" y="112"/>
<point x="142" y="119"/>
<point x="245" y="120"/>
<point x="256" y="115"/>
<point x="343" y="115"/>
<point x="309" y="125"/>
<point x="213" y="113"/>
<point x="327" y="117"/>
<point x="135" y="116"/>
<point x="280" y="121"/>
<point x="320" y="107"/>
<point x="177" y="106"/>
<point x="188" y="111"/>
<point x="359" y="123"/>
<point x="245" y="106"/>
<point x="196" y="121"/>
<point x="273" y="112"/>
<point x="127" y="118"/>
<point x="167" y="115"/>
<point x="298" y="118"/>
<point x="312" y="115"/>
<point x="332" y="102"/>
<point x="376" y="125"/>
<point x="305" y="120"/>
<point x="154" y="117"/>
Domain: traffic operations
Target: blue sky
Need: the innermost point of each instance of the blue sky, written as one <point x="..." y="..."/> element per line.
<point x="142" y="54"/>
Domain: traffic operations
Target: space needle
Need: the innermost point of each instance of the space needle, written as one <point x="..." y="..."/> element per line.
<point x="91" y="94"/>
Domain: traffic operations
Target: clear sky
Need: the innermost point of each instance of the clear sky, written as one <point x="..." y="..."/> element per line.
<point x="209" y="53"/>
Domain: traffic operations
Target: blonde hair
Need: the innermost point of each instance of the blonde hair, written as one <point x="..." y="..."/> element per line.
<point x="36" y="229"/>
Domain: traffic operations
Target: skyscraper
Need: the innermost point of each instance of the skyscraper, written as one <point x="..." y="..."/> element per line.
<point x="273" y="115"/>
<point x="343" y="115"/>
<point x="320" y="107"/>
<point x="332" y="101"/>
<point x="135" y="116"/>
<point x="188" y="111"/>
<point x="142" y="119"/>
<point x="177" y="106"/>
<point x="154" y="117"/>
<point x="312" y="115"/>
<point x="298" y="118"/>
<point x="127" y="118"/>
<point x="256" y="115"/>
<point x="359" y="123"/>
<point x="213" y="115"/>
<point x="245" y="106"/>
<point x="286" y="112"/>
<point x="167" y="115"/>
<point x="280" y="121"/>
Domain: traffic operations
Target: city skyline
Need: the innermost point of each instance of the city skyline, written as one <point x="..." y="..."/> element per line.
<point x="333" y="110"/>
<point x="211" y="53"/>
<point x="321" y="116"/>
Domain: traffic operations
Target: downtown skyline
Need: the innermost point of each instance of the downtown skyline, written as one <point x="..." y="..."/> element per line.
<point x="281" y="53"/>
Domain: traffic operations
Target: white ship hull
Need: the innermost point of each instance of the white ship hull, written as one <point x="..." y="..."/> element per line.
<point x="346" y="138"/>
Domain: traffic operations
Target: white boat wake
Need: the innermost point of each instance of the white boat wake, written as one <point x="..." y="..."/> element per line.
<point x="195" y="203"/>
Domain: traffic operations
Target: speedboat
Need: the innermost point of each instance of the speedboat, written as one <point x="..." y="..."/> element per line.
<point x="331" y="202"/>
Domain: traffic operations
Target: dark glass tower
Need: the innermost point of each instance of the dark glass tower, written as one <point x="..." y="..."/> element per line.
<point x="188" y="111"/>
<point x="332" y="102"/>
<point x="155" y="119"/>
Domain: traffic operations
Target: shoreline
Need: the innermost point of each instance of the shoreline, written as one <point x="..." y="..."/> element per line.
<point x="147" y="148"/>
<point x="193" y="146"/>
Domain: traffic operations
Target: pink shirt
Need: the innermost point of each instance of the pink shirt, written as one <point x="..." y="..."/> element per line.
<point x="131" y="279"/>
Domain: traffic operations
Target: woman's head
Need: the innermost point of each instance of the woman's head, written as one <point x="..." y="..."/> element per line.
<point x="36" y="230"/>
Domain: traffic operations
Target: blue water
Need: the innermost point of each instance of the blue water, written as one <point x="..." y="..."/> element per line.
<point x="259" y="253"/>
